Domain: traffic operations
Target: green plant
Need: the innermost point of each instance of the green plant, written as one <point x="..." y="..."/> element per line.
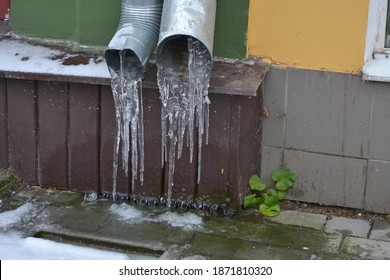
<point x="7" y="182"/>
<point x="268" y="199"/>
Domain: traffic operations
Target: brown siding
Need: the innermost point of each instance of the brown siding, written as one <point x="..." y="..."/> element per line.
<point x="53" y="133"/>
<point x="3" y="125"/>
<point x="83" y="137"/>
<point x="22" y="129"/>
<point x="61" y="135"/>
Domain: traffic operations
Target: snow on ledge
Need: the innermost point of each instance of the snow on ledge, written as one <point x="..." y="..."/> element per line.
<point x="20" y="56"/>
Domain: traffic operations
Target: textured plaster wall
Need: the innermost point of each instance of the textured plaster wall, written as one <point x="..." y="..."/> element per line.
<point x="313" y="34"/>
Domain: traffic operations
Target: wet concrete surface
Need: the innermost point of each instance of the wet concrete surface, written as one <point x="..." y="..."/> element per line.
<point x="66" y="217"/>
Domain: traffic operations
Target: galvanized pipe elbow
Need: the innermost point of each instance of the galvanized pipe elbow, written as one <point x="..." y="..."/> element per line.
<point x="183" y="19"/>
<point x="136" y="37"/>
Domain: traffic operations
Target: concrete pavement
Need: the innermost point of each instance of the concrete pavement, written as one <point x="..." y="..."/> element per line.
<point x="159" y="233"/>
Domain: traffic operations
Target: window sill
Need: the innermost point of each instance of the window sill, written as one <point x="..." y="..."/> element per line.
<point x="377" y="69"/>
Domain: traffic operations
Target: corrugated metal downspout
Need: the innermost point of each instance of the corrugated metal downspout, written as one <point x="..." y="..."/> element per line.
<point x="180" y="20"/>
<point x="136" y="36"/>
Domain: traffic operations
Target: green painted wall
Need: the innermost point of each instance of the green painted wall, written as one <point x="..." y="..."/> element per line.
<point x="89" y="22"/>
<point x="231" y="28"/>
<point x="94" y="22"/>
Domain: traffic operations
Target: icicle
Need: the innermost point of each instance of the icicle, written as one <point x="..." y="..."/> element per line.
<point x="127" y="93"/>
<point x="185" y="104"/>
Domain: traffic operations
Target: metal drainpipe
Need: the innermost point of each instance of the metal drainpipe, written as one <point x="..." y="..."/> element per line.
<point x="136" y="36"/>
<point x="182" y="19"/>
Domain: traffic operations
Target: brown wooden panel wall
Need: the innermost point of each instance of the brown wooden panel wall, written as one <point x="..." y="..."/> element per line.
<point x="3" y="125"/>
<point x="216" y="155"/>
<point x="22" y="112"/>
<point x="69" y="129"/>
<point x="53" y="132"/>
<point x="84" y="128"/>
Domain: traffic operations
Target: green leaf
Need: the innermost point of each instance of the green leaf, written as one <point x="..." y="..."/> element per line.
<point x="284" y="184"/>
<point x="284" y="178"/>
<point x="271" y="198"/>
<point x="252" y="200"/>
<point x="256" y="184"/>
<point x="269" y="211"/>
<point x="281" y="195"/>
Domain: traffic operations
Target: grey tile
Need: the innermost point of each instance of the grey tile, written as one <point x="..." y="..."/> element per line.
<point x="378" y="187"/>
<point x="314" y="118"/>
<point x="327" y="179"/>
<point x="357" y="116"/>
<point x="274" y="100"/>
<point x="271" y="159"/>
<point x="214" y="246"/>
<point x="380" y="127"/>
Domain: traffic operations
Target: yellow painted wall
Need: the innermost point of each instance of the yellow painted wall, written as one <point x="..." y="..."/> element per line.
<point x="314" y="34"/>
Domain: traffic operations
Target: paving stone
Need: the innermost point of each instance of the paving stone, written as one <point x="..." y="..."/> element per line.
<point x="318" y="241"/>
<point x="380" y="231"/>
<point x="25" y="195"/>
<point x="291" y="235"/>
<point x="247" y="228"/>
<point x="81" y="220"/>
<point x="284" y="236"/>
<point x="257" y="251"/>
<point x="179" y="236"/>
<point x="352" y="227"/>
<point x="144" y="234"/>
<point x="366" y="248"/>
<point x="213" y="246"/>
<point x="294" y="218"/>
<point x="60" y="197"/>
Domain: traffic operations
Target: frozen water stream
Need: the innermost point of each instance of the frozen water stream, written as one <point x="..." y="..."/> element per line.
<point x="185" y="108"/>
<point x="185" y="105"/>
<point x="127" y="93"/>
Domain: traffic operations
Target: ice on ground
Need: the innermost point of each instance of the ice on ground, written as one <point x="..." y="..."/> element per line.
<point x="14" y="247"/>
<point x="10" y="218"/>
<point x="128" y="213"/>
<point x="186" y="220"/>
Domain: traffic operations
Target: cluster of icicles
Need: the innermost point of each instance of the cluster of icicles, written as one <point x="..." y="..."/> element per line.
<point x="185" y="106"/>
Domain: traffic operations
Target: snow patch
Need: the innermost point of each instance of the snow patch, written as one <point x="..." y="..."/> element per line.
<point x="14" y="247"/>
<point x="126" y="212"/>
<point x="186" y="220"/>
<point x="10" y="218"/>
<point x="20" y="56"/>
<point x="130" y="214"/>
